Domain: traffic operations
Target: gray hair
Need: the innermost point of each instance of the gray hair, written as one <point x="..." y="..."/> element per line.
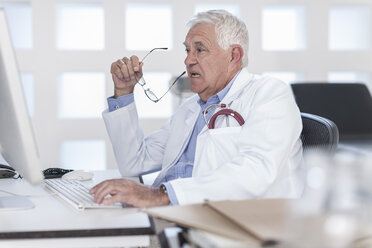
<point x="229" y="29"/>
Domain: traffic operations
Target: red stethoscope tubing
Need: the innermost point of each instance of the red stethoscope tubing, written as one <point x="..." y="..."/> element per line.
<point x="223" y="111"/>
<point x="229" y="112"/>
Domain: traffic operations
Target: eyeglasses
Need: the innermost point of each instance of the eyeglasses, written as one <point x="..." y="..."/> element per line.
<point x="149" y="93"/>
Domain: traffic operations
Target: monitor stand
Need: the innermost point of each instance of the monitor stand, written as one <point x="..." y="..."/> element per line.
<point x="15" y="203"/>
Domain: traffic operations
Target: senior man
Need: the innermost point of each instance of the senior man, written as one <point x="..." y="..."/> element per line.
<point x="256" y="156"/>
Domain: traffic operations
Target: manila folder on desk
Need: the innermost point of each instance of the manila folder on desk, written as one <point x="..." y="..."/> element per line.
<point x="265" y="219"/>
<point x="244" y="220"/>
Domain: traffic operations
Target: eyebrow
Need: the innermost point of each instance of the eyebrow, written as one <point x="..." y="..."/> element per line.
<point x="196" y="43"/>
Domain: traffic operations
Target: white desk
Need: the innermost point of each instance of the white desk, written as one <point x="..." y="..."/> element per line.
<point x="54" y="223"/>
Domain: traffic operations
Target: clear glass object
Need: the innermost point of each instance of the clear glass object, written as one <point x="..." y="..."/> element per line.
<point x="335" y="210"/>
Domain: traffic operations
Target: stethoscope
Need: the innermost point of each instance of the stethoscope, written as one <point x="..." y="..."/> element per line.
<point x="223" y="111"/>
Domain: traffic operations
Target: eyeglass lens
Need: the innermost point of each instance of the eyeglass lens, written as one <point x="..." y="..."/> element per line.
<point x="149" y="93"/>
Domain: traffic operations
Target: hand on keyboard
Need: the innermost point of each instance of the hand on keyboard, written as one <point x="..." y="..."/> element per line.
<point x="76" y="193"/>
<point x="125" y="190"/>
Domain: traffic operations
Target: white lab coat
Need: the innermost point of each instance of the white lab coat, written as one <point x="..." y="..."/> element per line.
<point x="261" y="159"/>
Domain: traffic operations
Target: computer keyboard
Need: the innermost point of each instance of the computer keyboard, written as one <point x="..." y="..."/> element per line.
<point x="75" y="193"/>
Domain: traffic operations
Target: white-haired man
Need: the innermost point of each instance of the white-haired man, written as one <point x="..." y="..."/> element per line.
<point x="256" y="156"/>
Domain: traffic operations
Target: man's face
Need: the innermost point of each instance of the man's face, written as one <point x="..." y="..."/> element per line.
<point x="206" y="62"/>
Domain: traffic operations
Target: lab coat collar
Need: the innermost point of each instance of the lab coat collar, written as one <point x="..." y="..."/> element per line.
<point x="240" y="82"/>
<point x="236" y="89"/>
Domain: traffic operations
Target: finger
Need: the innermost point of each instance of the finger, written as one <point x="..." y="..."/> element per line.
<point x="125" y="68"/>
<point x="94" y="189"/>
<point x="101" y="192"/>
<point x="135" y="63"/>
<point x="116" y="69"/>
<point x="133" y="66"/>
<point x="113" y="187"/>
<point x="98" y="198"/>
<point x="130" y="66"/>
<point x="137" y="67"/>
<point x="97" y="188"/>
<point x="113" y="199"/>
<point x="139" y="73"/>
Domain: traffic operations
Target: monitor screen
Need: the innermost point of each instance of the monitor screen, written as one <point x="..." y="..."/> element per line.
<point x="17" y="141"/>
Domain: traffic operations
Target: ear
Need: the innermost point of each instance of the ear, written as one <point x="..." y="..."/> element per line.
<point x="236" y="56"/>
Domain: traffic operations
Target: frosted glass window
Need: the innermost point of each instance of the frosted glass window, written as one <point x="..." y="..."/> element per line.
<point x="28" y="90"/>
<point x="148" y="26"/>
<point x="284" y="28"/>
<point x="80" y="26"/>
<point x="19" y="17"/>
<point x="349" y="28"/>
<point x="159" y="83"/>
<point x="288" y="77"/>
<point x="81" y="95"/>
<point x="83" y="154"/>
<point x="350" y="77"/>
<point x="232" y="8"/>
<point x="340" y="77"/>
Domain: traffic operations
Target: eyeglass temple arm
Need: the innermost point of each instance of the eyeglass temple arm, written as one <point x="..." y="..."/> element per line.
<point x="171" y="85"/>
<point x="156" y="48"/>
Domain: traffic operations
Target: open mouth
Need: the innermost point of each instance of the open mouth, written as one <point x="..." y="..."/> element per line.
<point x="195" y="75"/>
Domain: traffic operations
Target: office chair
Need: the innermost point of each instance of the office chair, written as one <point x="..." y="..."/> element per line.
<point x="348" y="105"/>
<point x="318" y="133"/>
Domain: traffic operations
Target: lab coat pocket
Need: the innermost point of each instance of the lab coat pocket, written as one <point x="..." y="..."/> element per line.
<point x="215" y="147"/>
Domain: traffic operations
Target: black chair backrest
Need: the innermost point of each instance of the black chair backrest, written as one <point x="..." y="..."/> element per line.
<point x="318" y="133"/>
<point x="348" y="105"/>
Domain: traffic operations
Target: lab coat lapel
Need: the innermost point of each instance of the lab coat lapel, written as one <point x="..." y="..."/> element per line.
<point x="178" y="143"/>
<point x="240" y="82"/>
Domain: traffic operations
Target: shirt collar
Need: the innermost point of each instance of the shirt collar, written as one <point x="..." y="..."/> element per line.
<point x="220" y="95"/>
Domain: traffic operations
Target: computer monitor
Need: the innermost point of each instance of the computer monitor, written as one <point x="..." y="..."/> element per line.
<point x="17" y="141"/>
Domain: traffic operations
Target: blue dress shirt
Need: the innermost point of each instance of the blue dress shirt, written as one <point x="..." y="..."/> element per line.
<point x="183" y="168"/>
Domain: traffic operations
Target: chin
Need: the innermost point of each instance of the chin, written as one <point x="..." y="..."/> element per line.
<point x="194" y="86"/>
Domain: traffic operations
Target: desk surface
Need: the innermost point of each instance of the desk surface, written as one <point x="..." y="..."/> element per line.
<point x="52" y="217"/>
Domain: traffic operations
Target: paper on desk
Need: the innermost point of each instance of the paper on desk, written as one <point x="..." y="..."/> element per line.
<point x="245" y="220"/>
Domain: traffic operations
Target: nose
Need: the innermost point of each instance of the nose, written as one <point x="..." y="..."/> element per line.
<point x="190" y="59"/>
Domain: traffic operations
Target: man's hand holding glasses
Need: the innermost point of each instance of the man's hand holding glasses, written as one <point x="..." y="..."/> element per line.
<point x="127" y="72"/>
<point x="124" y="74"/>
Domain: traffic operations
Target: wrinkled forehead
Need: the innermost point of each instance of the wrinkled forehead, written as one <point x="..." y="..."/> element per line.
<point x="201" y="34"/>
